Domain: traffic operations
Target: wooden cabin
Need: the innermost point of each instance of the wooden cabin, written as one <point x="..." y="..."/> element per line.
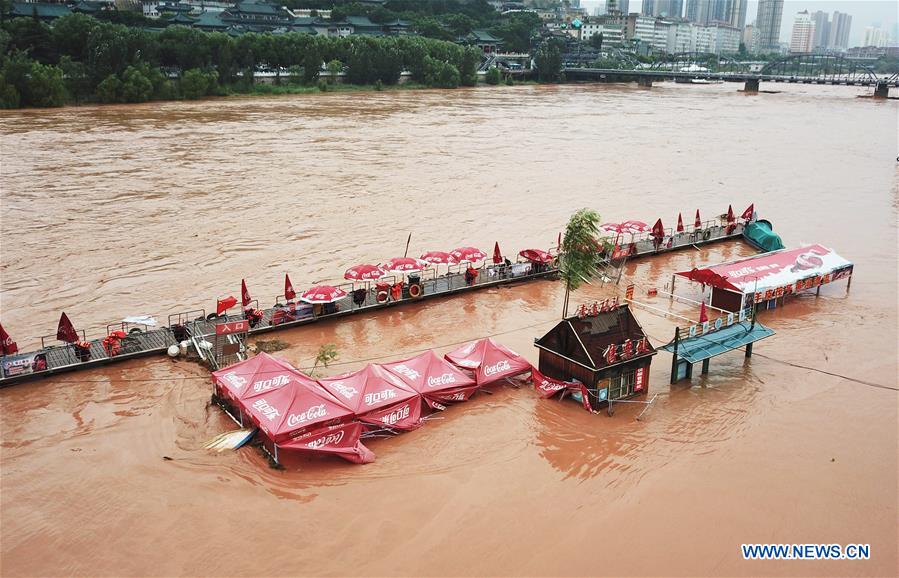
<point x="606" y="351"/>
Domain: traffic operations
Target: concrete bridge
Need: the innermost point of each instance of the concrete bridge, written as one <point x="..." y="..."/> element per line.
<point x="803" y="69"/>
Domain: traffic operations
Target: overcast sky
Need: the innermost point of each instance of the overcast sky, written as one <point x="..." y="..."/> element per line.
<point x="882" y="13"/>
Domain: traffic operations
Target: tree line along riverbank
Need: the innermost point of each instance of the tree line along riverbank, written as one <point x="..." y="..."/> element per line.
<point x="81" y="59"/>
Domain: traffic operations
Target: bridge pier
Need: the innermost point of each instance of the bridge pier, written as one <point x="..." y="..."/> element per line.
<point x="751" y="86"/>
<point x="644" y="81"/>
<point x="882" y="90"/>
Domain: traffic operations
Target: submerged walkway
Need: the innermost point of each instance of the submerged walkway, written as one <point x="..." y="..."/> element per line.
<point x="195" y="327"/>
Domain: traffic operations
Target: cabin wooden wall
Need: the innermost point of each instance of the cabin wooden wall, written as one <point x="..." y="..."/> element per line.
<point x="557" y="367"/>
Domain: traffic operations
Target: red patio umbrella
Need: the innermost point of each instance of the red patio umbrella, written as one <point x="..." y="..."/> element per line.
<point x="697" y="224"/>
<point x="322" y="294"/>
<point x="65" y="331"/>
<point x="614" y="227"/>
<point x="245" y="298"/>
<point x="497" y="255"/>
<point x="468" y="254"/>
<point x="635" y="226"/>
<point x="363" y="272"/>
<point x="536" y="255"/>
<point x="7" y="345"/>
<point x="680" y="223"/>
<point x="289" y="293"/>
<point x="438" y="258"/>
<point x="730" y="214"/>
<point x="404" y="265"/>
<point x="658" y="230"/>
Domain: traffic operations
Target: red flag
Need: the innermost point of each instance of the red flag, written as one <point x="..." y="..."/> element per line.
<point x="7" y="345"/>
<point x="225" y="304"/>
<point x="698" y="222"/>
<point x="245" y="298"/>
<point x="658" y="230"/>
<point x="680" y="223"/>
<point x="66" y="331"/>
<point x="730" y="214"/>
<point x="289" y="293"/>
<point x="747" y="214"/>
<point x="703" y="314"/>
<point x="497" y="255"/>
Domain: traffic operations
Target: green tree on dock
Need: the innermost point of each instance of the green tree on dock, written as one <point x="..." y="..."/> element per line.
<point x="578" y="254"/>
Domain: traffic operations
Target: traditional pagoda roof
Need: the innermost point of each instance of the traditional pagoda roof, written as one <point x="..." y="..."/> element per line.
<point x="255" y="7"/>
<point x="90" y="6"/>
<point x="585" y="340"/>
<point x="482" y="37"/>
<point x="210" y="21"/>
<point x="182" y="18"/>
<point x="42" y="10"/>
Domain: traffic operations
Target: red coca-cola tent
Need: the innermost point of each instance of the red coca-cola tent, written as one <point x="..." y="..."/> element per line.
<point x="377" y="397"/>
<point x="436" y="379"/>
<point x="489" y="361"/>
<point x="288" y="405"/>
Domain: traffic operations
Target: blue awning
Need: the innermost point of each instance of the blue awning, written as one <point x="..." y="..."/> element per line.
<point x="693" y="349"/>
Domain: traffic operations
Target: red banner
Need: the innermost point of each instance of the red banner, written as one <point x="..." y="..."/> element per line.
<point x="547" y="386"/>
<point x="289" y="293"/>
<point x="241" y="326"/>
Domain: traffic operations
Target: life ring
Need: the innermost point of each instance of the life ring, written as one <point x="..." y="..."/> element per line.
<point x="135" y="330"/>
<point x="415" y="290"/>
<point x="555" y="263"/>
<point x="382" y="296"/>
<point x="707" y="235"/>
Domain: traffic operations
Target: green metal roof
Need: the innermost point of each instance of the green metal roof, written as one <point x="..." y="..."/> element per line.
<point x="40" y="9"/>
<point x="693" y="349"/>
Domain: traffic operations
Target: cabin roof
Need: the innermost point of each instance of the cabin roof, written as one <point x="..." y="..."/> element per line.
<point x="585" y="340"/>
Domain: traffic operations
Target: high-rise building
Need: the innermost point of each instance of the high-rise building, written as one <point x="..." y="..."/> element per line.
<point x="876" y="37"/>
<point x="704" y="12"/>
<point x="669" y="8"/>
<point x="822" y="30"/>
<point x="768" y="21"/>
<point x="624" y="6"/>
<point x="838" y="35"/>
<point x="803" y="36"/>
<point x="751" y="38"/>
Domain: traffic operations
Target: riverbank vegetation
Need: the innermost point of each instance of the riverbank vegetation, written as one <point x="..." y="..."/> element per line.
<point x="82" y="59"/>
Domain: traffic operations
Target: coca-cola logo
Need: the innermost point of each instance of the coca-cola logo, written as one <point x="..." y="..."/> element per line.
<point x="407" y="371"/>
<point x="547" y="385"/>
<point x="379" y="396"/>
<point x="345" y="390"/>
<point x="273" y="383"/>
<point x="446" y="378"/>
<point x="235" y="380"/>
<point x="330" y="439"/>
<point x="456" y="397"/>
<point x="314" y="412"/>
<point x="265" y="409"/>
<point x="497" y="367"/>
<point x="396" y="415"/>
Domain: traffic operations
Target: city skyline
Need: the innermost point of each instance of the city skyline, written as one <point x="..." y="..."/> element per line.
<point x="865" y="13"/>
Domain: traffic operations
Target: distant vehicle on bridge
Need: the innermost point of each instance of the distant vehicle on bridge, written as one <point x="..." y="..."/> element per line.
<point x="694" y="68"/>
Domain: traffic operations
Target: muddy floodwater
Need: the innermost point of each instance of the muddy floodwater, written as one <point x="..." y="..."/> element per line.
<point x="150" y="209"/>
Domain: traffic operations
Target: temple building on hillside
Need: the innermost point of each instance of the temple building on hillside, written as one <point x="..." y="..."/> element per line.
<point x="604" y="347"/>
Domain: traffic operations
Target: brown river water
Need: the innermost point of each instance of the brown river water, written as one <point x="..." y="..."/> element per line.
<point x="123" y="210"/>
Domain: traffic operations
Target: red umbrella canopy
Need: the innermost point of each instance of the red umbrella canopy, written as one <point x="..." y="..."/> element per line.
<point x="468" y="254"/>
<point x="363" y="272"/>
<point x="438" y="258"/>
<point x="377" y="397"/>
<point x="698" y="222"/>
<point x="730" y="214"/>
<point x="536" y="255"/>
<point x="322" y="294"/>
<point x="614" y="227"/>
<point x="434" y="377"/>
<point x="489" y="360"/>
<point x="658" y="230"/>
<point x="680" y="223"/>
<point x="635" y="226"/>
<point x="404" y="265"/>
